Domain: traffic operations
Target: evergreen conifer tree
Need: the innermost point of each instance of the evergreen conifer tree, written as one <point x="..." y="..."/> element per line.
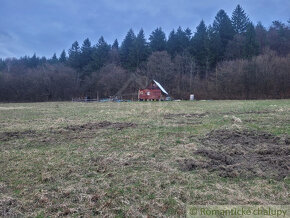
<point x="251" y="45"/>
<point x="86" y="53"/>
<point x="183" y="39"/>
<point x="179" y="41"/>
<point x="115" y="45"/>
<point x="54" y="59"/>
<point x="222" y="31"/>
<point x="215" y="46"/>
<point x="200" y="43"/>
<point x="157" y="40"/>
<point x="239" y="20"/>
<point x="140" y="51"/>
<point x="172" y="43"/>
<point x="126" y="50"/>
<point x="74" y="55"/>
<point x="101" y="54"/>
<point x="261" y="36"/>
<point x="62" y="57"/>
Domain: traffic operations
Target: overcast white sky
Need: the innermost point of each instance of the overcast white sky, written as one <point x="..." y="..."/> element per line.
<point x="47" y="26"/>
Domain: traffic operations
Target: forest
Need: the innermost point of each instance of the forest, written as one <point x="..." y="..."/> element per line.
<point x="232" y="58"/>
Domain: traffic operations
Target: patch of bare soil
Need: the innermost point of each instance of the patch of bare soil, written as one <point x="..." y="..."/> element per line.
<point x="100" y="125"/>
<point x="243" y="154"/>
<point x="6" y="136"/>
<point x="193" y="115"/>
<point x="68" y="131"/>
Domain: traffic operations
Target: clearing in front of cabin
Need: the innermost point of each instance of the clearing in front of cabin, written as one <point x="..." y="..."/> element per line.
<point x="142" y="158"/>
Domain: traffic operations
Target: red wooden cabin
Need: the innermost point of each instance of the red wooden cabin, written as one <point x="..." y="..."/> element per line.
<point x="153" y="92"/>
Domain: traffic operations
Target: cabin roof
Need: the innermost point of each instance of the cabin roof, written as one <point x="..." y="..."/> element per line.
<point x="160" y="87"/>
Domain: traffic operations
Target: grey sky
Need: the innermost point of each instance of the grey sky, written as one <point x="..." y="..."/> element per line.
<point x="47" y="26"/>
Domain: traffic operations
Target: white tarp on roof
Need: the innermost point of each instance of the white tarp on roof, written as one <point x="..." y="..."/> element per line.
<point x="160" y="87"/>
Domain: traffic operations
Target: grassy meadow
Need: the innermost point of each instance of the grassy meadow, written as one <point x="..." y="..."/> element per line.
<point x="141" y="158"/>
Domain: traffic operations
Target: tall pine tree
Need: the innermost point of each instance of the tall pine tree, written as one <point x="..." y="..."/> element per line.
<point x="115" y="45"/>
<point x="261" y="36"/>
<point x="54" y="59"/>
<point x="74" y="56"/>
<point x="240" y="20"/>
<point x="157" y="40"/>
<point x="251" y="45"/>
<point x="140" y="51"/>
<point x="179" y="41"/>
<point x="126" y="50"/>
<point x="183" y="39"/>
<point x="100" y="54"/>
<point x="215" y="46"/>
<point x="223" y="31"/>
<point x="62" y="57"/>
<point x="86" y="53"/>
<point x="200" y="44"/>
<point x="172" y="43"/>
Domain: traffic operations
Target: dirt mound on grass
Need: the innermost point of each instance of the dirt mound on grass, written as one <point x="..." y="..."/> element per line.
<point x="67" y="131"/>
<point x="100" y="125"/>
<point x="6" y="136"/>
<point x="243" y="154"/>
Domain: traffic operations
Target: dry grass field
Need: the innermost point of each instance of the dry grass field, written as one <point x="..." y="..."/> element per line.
<point x="141" y="158"/>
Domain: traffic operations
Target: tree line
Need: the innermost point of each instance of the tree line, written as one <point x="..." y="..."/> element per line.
<point x="232" y="58"/>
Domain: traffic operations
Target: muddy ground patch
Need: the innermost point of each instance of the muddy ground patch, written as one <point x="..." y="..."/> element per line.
<point x="6" y="136"/>
<point x="237" y="153"/>
<point x="68" y="131"/>
<point x="100" y="125"/>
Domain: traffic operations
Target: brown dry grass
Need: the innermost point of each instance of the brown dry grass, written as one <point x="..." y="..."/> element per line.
<point x="60" y="159"/>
